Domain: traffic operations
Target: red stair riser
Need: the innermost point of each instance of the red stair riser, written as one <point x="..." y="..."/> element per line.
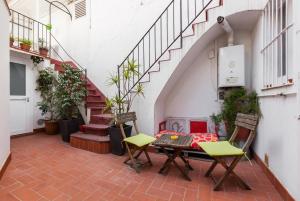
<point x="98" y="120"/>
<point x="94" y="98"/>
<point x="96" y="112"/>
<point x="101" y="132"/>
<point x="95" y="104"/>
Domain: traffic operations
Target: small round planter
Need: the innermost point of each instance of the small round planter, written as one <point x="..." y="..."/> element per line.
<point x="43" y="52"/>
<point x="116" y="139"/>
<point x="11" y="43"/>
<point x="51" y="127"/>
<point x="25" y="47"/>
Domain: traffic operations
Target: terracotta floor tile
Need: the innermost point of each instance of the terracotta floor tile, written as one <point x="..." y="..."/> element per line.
<point x="44" y="168"/>
<point x="26" y="194"/>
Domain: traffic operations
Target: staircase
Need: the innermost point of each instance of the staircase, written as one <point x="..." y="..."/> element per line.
<point x="178" y="22"/>
<point x="94" y="135"/>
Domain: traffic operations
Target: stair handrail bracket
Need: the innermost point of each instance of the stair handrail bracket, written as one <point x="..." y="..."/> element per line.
<point x="167" y="30"/>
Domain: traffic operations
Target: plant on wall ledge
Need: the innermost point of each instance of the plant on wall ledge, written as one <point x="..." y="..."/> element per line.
<point x="43" y="49"/>
<point x="25" y="44"/>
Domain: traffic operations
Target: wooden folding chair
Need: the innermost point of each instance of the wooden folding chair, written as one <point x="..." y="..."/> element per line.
<point x="245" y="124"/>
<point x="136" y="144"/>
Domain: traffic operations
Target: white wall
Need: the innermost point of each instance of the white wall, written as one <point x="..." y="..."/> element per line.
<point x="4" y="85"/>
<point x="278" y="130"/>
<point x="195" y="93"/>
<point x="103" y="38"/>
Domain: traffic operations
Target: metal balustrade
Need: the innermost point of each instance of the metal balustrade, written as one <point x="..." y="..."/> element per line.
<point x="163" y="34"/>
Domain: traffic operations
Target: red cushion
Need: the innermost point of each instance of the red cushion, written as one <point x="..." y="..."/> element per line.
<point x="203" y="137"/>
<point x="198" y="127"/>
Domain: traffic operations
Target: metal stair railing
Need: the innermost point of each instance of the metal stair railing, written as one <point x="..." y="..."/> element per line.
<point x="165" y="32"/>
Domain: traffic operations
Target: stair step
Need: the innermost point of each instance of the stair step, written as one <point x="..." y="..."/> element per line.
<point x="92" y="137"/>
<point x="96" y="110"/>
<point x="92" y="92"/>
<point x="101" y="118"/>
<point x="90" y="142"/>
<point x="95" y="103"/>
<point x="97" y="129"/>
<point x="91" y="98"/>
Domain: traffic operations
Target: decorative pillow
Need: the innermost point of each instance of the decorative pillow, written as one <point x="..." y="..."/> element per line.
<point x="203" y="137"/>
<point x="177" y="124"/>
<point x="198" y="126"/>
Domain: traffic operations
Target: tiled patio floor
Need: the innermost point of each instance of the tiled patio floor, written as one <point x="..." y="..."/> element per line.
<point x="44" y="168"/>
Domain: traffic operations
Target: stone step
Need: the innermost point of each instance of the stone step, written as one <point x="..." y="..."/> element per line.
<point x="101" y="118"/>
<point x="97" y="129"/>
<point x="96" y="110"/>
<point x="95" y="103"/>
<point x="91" y="97"/>
<point x="91" y="142"/>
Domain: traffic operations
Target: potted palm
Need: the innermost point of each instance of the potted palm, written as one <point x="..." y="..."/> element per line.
<point x="70" y="93"/>
<point x="46" y="83"/>
<point x="122" y="104"/>
<point x="25" y="44"/>
<point x="43" y="49"/>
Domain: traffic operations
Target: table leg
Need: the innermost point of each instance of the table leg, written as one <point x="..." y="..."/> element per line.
<point x="186" y="162"/>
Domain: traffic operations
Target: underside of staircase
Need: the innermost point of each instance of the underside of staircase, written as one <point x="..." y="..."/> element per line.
<point x="94" y="135"/>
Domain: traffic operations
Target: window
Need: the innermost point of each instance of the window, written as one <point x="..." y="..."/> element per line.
<point x="80" y="9"/>
<point x="277" y="70"/>
<point x="17" y="79"/>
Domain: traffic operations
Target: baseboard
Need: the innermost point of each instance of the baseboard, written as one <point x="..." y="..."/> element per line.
<point x="286" y="196"/>
<point x="39" y="130"/>
<point x="35" y="131"/>
<point x="6" y="163"/>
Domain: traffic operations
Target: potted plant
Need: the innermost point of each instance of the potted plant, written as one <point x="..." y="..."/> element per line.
<point x="217" y="119"/>
<point x="122" y="104"/>
<point x="36" y="60"/>
<point x="238" y="100"/>
<point x="43" y="49"/>
<point x="25" y="44"/>
<point x="70" y="93"/>
<point x="11" y="41"/>
<point x="46" y="83"/>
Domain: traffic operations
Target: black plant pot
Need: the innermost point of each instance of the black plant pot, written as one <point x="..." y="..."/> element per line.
<point x="67" y="127"/>
<point x="116" y="139"/>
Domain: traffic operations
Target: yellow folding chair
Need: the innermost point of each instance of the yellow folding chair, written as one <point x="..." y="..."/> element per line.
<point x="134" y="144"/>
<point x="224" y="149"/>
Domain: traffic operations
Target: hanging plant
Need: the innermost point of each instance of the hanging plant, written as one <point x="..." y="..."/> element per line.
<point x="36" y="60"/>
<point x="49" y="27"/>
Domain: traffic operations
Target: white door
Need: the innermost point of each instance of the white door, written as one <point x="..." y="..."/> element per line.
<point x="20" y="117"/>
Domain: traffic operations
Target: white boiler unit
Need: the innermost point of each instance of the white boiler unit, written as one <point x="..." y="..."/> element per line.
<point x="232" y="66"/>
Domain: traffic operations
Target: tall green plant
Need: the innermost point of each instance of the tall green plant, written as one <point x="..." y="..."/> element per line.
<point x="46" y="85"/>
<point x="237" y="100"/>
<point x="71" y="92"/>
<point x="122" y="103"/>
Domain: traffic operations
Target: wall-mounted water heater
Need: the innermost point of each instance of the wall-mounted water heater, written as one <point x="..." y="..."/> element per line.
<point x="232" y="66"/>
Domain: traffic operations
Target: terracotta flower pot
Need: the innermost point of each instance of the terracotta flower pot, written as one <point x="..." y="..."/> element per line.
<point x="43" y="51"/>
<point x="11" y="42"/>
<point x="51" y="127"/>
<point x="25" y="47"/>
